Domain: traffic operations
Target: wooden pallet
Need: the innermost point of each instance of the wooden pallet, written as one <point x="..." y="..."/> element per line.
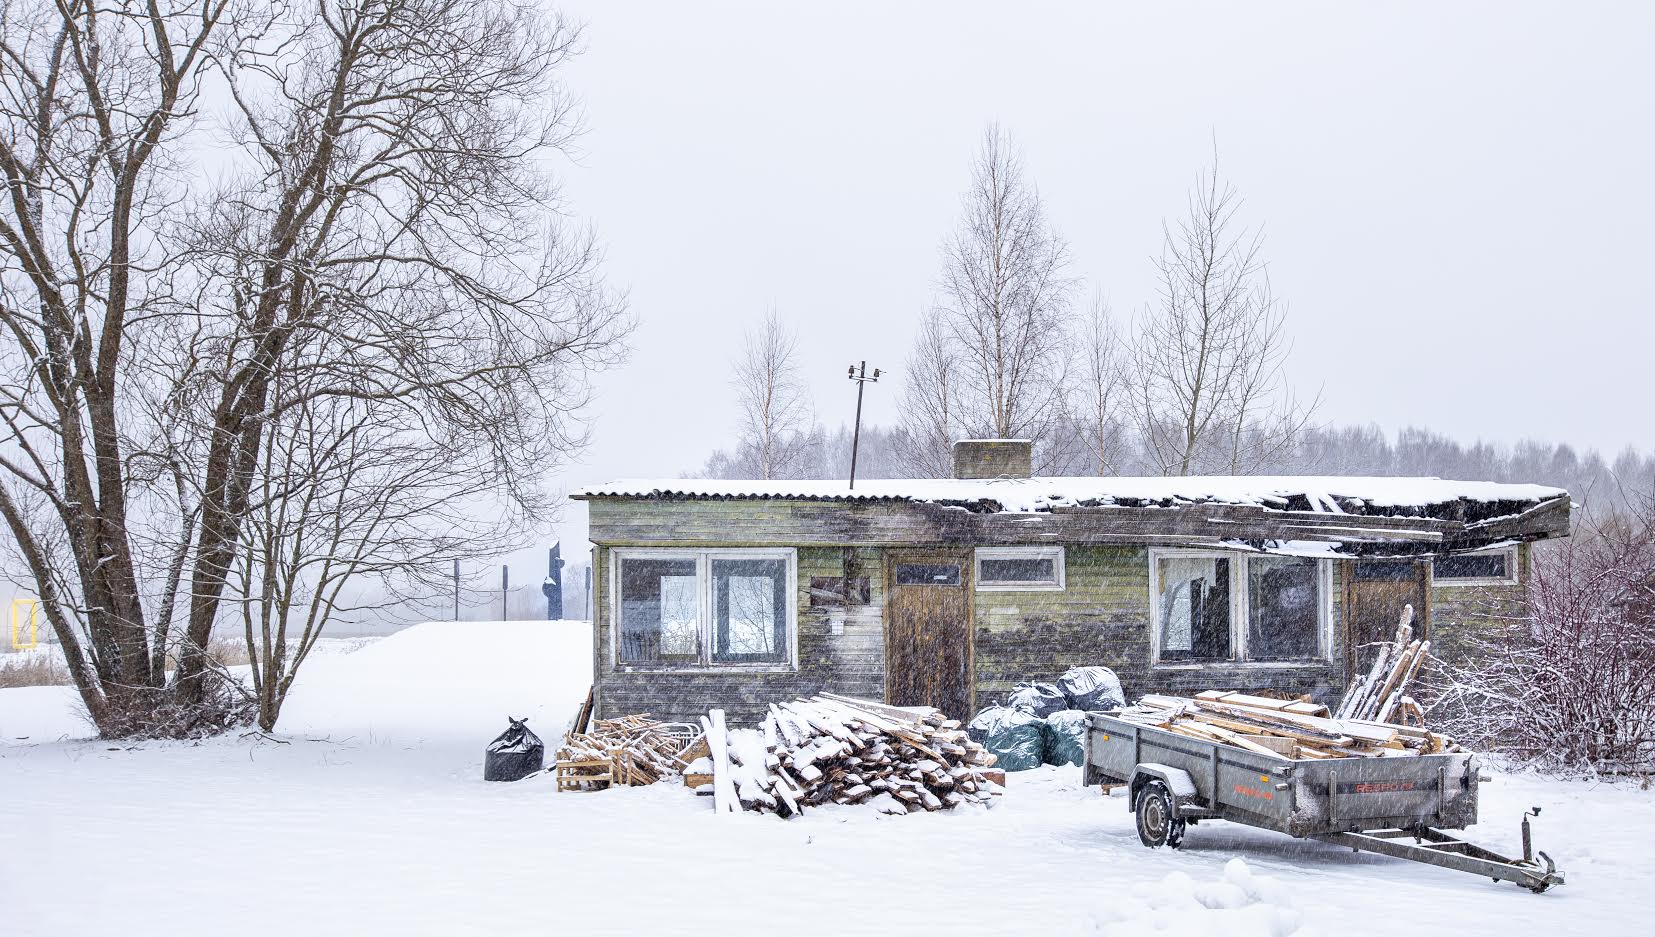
<point x="592" y="774"/>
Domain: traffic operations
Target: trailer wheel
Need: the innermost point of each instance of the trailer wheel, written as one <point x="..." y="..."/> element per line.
<point x="1158" y="821"/>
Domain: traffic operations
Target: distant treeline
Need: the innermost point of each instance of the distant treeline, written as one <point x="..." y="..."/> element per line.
<point x="1325" y="450"/>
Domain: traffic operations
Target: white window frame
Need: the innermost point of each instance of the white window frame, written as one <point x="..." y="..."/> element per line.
<point x="1239" y="611"/>
<point x="1456" y="582"/>
<point x="704" y="596"/>
<point x="1055" y="554"/>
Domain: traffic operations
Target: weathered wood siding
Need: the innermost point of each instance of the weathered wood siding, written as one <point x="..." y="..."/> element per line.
<point x="851" y="661"/>
<point x="1103" y="617"/>
<point x="1458" y="611"/>
<point x="776" y="522"/>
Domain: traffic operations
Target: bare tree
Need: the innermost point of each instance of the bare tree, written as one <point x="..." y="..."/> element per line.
<point x="94" y="98"/>
<point x="930" y="411"/>
<point x="1102" y="366"/>
<point x="1208" y="390"/>
<point x="775" y="408"/>
<point x="1005" y="302"/>
<point x="386" y="245"/>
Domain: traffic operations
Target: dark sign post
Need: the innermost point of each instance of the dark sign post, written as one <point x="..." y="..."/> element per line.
<point x="553" y="586"/>
<point x="505" y="584"/>
<point x="861" y="376"/>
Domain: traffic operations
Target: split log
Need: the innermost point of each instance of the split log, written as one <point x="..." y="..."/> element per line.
<point x="833" y="749"/>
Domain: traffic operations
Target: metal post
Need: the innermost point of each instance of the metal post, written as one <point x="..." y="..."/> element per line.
<point x="505" y="583"/>
<point x="456" y="590"/>
<point x="859" y="374"/>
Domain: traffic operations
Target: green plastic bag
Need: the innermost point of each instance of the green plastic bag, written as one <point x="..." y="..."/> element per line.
<point x="1016" y="739"/>
<point x="1064" y="737"/>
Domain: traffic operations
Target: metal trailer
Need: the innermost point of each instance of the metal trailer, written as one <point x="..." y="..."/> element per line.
<point x="1391" y="806"/>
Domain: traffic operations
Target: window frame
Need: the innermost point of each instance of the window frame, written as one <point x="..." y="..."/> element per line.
<point x="705" y="608"/>
<point x="1054" y="553"/>
<point x="1458" y="582"/>
<point x="1239" y="612"/>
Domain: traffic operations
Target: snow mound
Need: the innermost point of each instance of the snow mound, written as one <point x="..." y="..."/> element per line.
<point x="447" y="682"/>
<point x="1238" y="904"/>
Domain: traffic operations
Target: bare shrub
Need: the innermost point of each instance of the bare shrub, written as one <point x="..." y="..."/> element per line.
<point x="34" y="670"/>
<point x="1569" y="686"/>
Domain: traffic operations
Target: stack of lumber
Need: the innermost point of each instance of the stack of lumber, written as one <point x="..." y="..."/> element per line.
<point x="1382" y="695"/>
<point x="1282" y="729"/>
<point x="840" y="750"/>
<point x="624" y="752"/>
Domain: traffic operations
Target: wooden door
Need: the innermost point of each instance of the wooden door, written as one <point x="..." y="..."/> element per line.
<point x="928" y="632"/>
<point x="1375" y="595"/>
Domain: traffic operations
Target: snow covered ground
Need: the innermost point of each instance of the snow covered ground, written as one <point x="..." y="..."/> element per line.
<point x="369" y="817"/>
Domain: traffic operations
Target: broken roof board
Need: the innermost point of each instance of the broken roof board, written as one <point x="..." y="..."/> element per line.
<point x="1355" y="516"/>
<point x="1317" y="494"/>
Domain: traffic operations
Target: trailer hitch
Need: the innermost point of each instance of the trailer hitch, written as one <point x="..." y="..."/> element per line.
<point x="1548" y="876"/>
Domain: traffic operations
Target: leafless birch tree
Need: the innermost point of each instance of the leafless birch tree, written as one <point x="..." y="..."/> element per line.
<point x="930" y="404"/>
<point x="1097" y="405"/>
<point x="1208" y="389"/>
<point x="1003" y="306"/>
<point x="775" y="408"/>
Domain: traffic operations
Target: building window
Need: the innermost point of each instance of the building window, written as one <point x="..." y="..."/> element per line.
<point x="1020" y="568"/>
<point x="927" y="574"/>
<point x="1475" y="569"/>
<point x="678" y="608"/>
<point x="1194" y="612"/>
<point x="1284" y="617"/>
<point x="1219" y="607"/>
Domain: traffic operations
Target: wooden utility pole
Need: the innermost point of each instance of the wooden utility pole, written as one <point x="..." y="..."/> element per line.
<point x="859" y="374"/>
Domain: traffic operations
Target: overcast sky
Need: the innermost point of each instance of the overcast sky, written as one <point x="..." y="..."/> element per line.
<point x="1457" y="198"/>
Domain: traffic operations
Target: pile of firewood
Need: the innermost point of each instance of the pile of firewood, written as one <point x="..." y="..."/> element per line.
<point x="1382" y="695"/>
<point x="629" y="751"/>
<point x="1285" y="729"/>
<point x="835" y="749"/>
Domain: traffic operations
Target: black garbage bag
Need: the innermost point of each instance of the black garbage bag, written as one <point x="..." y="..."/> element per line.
<point x="1014" y="737"/>
<point x="1065" y="738"/>
<point x="515" y="754"/>
<point x="1041" y="699"/>
<point x="1091" y="689"/>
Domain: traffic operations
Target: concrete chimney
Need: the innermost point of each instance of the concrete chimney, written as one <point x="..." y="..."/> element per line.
<point x="993" y="458"/>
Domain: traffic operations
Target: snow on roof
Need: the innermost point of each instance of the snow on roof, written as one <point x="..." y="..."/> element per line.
<point x="1324" y="494"/>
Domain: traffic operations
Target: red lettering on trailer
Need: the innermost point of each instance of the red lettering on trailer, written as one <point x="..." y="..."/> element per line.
<point x="1382" y="787"/>
<point x="1254" y="792"/>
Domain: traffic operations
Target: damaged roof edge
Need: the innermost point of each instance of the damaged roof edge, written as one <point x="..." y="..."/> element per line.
<point x="1462" y="501"/>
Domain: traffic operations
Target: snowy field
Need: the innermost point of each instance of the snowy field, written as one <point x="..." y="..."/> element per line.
<point x="369" y="816"/>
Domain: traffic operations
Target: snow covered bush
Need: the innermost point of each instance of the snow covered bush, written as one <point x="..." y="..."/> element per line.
<point x="1570" y="685"/>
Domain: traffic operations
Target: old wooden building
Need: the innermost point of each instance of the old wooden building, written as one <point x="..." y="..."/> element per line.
<point x="948" y="592"/>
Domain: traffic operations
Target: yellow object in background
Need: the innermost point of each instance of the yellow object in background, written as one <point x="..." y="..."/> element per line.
<point x="30" y="616"/>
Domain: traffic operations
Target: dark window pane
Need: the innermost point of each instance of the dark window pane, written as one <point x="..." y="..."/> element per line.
<point x="1284" y="608"/>
<point x="750" y="610"/>
<point x="1386" y="571"/>
<point x="660" y="610"/>
<point x="927" y="574"/>
<point x="1041" y="569"/>
<point x="1475" y="566"/>
<point x="1194" y="608"/>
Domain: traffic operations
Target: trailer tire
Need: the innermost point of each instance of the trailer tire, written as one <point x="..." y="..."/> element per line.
<point x="1158" y="821"/>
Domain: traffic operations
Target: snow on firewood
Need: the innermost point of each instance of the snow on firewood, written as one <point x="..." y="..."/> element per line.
<point x="835" y="749"/>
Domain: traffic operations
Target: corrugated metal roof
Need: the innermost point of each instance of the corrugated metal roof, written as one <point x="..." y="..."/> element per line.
<point x="1323" y="494"/>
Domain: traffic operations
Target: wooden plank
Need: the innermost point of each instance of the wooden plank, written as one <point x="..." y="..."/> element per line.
<point x="622" y="521"/>
<point x="718" y="740"/>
